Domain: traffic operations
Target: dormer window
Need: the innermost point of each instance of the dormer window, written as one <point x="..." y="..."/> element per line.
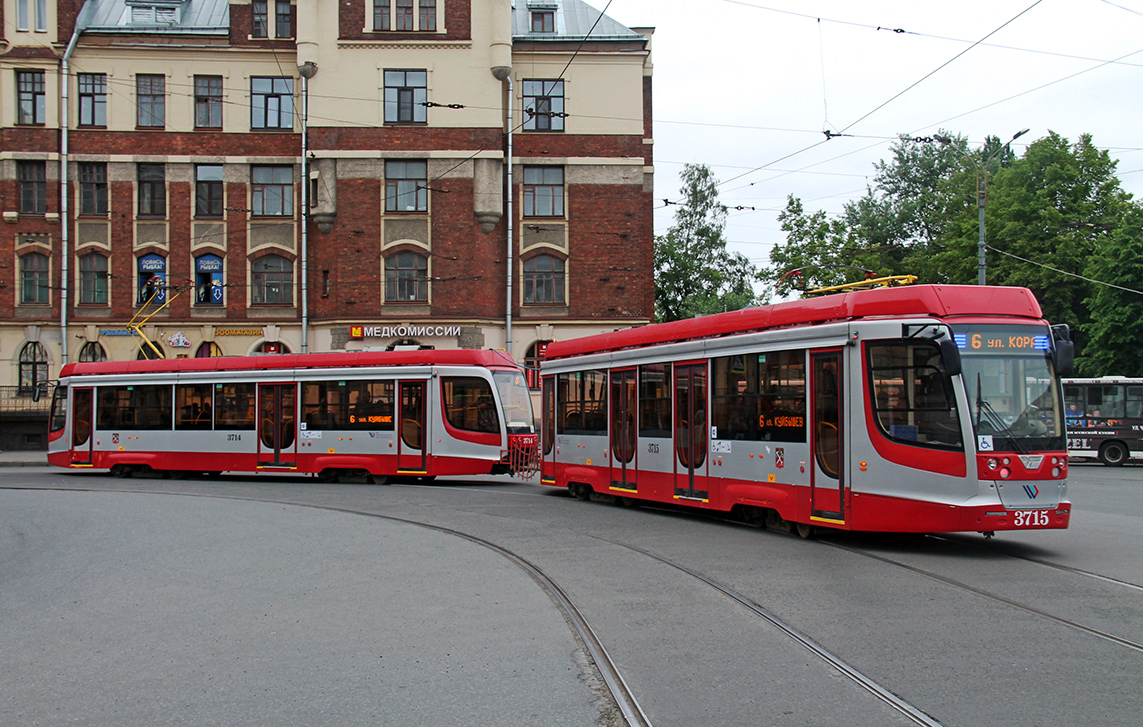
<point x="543" y="21"/>
<point x="150" y="12"/>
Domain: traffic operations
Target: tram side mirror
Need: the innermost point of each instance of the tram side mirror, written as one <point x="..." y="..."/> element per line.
<point x="1064" y="356"/>
<point x="950" y="354"/>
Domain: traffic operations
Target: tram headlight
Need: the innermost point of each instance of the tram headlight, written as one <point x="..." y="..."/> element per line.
<point x="1004" y="473"/>
<point x="1056" y="472"/>
<point x="992" y="463"/>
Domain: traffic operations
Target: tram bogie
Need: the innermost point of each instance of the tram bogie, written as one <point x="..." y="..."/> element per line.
<point x="918" y="409"/>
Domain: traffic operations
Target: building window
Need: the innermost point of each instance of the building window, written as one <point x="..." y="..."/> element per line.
<point x="544" y="280"/>
<point x="152" y="182"/>
<point x="272" y="191"/>
<point x="543" y="192"/>
<point x="93" y="279"/>
<point x="406" y="186"/>
<point x="543" y="21"/>
<point x="41" y="16"/>
<point x="30" y="97"/>
<point x="152" y="279"/>
<point x="428" y="15"/>
<point x="406" y="278"/>
<point x="22" y="14"/>
<point x="208" y="192"/>
<point x="33" y="366"/>
<point x="283" y="25"/>
<point x="273" y="281"/>
<point x="532" y="360"/>
<point x="151" y="95"/>
<point x="208" y="102"/>
<point x="33" y="180"/>
<point x="92" y="351"/>
<point x="150" y="351"/>
<point x="92" y="188"/>
<point x="543" y="105"/>
<point x="261" y="24"/>
<point x="92" y="99"/>
<point x="208" y="349"/>
<point x="271" y="103"/>
<point x="404" y="18"/>
<point x="34" y="279"/>
<point x="208" y="280"/>
<point x="406" y="95"/>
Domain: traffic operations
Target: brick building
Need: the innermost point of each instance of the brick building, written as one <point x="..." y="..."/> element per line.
<point x="317" y="176"/>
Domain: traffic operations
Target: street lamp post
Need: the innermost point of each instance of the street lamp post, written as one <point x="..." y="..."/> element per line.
<point x="981" y="201"/>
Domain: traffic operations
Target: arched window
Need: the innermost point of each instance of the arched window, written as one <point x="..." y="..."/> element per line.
<point x="152" y="279"/>
<point x="273" y="281"/>
<point x="406" y="277"/>
<point x="34" y="278"/>
<point x="208" y="349"/>
<point x="272" y="347"/>
<point x="33" y="366"/>
<point x="544" y="280"/>
<point x="532" y="361"/>
<point x="92" y="351"/>
<point x="208" y="280"/>
<point x="147" y="353"/>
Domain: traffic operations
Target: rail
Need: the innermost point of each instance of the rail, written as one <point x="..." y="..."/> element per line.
<point x="19" y="400"/>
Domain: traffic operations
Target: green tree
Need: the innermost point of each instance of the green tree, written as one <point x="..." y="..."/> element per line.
<point x="694" y="272"/>
<point x="1115" y="328"/>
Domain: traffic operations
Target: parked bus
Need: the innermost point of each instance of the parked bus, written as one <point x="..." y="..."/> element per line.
<point x="908" y="409"/>
<point x="337" y="415"/>
<point x="1104" y="418"/>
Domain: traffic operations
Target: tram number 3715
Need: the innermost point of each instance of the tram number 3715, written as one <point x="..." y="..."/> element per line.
<point x="1030" y="518"/>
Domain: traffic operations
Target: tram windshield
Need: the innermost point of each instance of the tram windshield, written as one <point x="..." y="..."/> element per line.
<point x="516" y="401"/>
<point x="1013" y="391"/>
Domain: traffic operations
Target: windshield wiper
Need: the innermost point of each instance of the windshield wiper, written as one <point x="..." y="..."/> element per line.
<point x="994" y="419"/>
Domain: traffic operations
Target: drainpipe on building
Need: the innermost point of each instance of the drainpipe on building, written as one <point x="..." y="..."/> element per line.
<point x="64" y="221"/>
<point x="307" y="71"/>
<point x="508" y="217"/>
<point x="501" y="66"/>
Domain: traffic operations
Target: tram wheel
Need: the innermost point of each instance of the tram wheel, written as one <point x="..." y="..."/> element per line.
<point x="628" y="502"/>
<point x="177" y="474"/>
<point x="328" y="475"/>
<point x="1113" y="454"/>
<point x="120" y="470"/>
<point x="805" y="531"/>
<point x="580" y="491"/>
<point x="380" y="479"/>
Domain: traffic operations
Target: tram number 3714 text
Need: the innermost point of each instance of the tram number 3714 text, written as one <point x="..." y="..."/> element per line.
<point x="1030" y="518"/>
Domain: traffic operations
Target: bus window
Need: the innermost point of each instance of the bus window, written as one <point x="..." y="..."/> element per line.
<point x="325" y="405"/>
<point x="655" y="400"/>
<point x="134" y="407"/>
<point x="582" y="402"/>
<point x="371" y="405"/>
<point x="760" y="396"/>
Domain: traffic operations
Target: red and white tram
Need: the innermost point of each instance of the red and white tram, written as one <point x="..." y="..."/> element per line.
<point x="923" y="408"/>
<point x="382" y="414"/>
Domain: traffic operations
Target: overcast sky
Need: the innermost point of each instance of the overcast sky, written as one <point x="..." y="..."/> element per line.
<point x="747" y="87"/>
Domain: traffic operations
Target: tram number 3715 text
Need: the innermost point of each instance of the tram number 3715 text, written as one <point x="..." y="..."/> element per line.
<point x="1030" y="518"/>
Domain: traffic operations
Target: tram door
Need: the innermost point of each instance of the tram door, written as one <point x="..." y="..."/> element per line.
<point x="277" y="425"/>
<point x="81" y="439"/>
<point x="690" y="431"/>
<point x="412" y="453"/>
<point x="548" y="443"/>
<point x="623" y="432"/>
<point x="827" y="480"/>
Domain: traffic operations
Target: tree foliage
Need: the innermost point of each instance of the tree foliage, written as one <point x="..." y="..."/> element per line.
<point x="694" y="272"/>
<point x="1050" y="215"/>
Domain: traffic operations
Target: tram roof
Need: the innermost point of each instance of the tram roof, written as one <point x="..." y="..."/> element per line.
<point x="939" y="301"/>
<point x="458" y="357"/>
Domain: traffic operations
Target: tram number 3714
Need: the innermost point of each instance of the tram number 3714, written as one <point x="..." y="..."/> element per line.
<point x="1030" y="518"/>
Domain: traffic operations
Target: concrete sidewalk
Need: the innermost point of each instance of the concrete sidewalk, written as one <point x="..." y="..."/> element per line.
<point x="24" y="458"/>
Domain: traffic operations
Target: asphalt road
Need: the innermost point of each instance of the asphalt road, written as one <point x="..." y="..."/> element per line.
<point x="252" y="601"/>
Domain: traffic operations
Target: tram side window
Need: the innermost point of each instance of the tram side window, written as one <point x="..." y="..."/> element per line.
<point x="234" y="405"/>
<point x="655" y="401"/>
<point x="760" y="396"/>
<point x="325" y="405"/>
<point x="59" y="409"/>
<point x="469" y="404"/>
<point x="371" y="405"/>
<point x="912" y="397"/>
<point x="193" y="404"/>
<point x="134" y="407"/>
<point x="582" y="402"/>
